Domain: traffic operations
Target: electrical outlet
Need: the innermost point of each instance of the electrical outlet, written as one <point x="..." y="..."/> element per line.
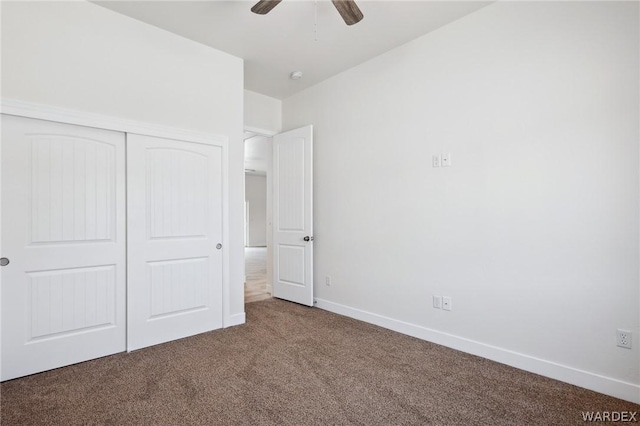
<point x="447" y="303"/>
<point x="437" y="302"/>
<point x="435" y="161"/>
<point x="624" y="338"/>
<point x="327" y="281"/>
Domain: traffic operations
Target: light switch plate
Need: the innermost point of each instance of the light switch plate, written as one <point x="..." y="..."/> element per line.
<point x="437" y="302"/>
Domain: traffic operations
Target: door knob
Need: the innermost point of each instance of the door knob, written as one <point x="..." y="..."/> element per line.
<point x="308" y="238"/>
<point x="218" y="246"/>
<point x="4" y="261"/>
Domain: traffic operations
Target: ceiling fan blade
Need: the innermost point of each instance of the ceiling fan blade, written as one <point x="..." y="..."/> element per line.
<point x="264" y="6"/>
<point x="349" y="11"/>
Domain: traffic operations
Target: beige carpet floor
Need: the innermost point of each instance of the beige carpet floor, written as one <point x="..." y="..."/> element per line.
<point x="293" y="365"/>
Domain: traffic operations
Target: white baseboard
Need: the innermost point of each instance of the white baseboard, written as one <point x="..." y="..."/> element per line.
<point x="236" y="319"/>
<point x="584" y="379"/>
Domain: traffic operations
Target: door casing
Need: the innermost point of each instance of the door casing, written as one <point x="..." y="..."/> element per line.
<point x="270" y="206"/>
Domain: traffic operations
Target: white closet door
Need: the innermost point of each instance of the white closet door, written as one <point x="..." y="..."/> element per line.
<point x="63" y="232"/>
<point x="174" y="192"/>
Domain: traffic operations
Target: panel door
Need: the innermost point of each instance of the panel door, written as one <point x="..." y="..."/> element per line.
<point x="293" y="216"/>
<point x="174" y="192"/>
<point x="63" y="231"/>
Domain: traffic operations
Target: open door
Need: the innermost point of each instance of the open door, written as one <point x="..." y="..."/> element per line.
<point x="293" y="215"/>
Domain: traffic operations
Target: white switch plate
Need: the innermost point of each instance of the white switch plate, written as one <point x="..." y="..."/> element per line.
<point x="447" y="303"/>
<point x="435" y="161"/>
<point x="437" y="302"/>
<point x="446" y="159"/>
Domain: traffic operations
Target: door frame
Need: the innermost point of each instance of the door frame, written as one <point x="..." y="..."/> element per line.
<point x="82" y="118"/>
<point x="269" y="134"/>
<point x="246" y="224"/>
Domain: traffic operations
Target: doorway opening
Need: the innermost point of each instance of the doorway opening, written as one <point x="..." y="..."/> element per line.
<point x="283" y="164"/>
<point x="257" y="159"/>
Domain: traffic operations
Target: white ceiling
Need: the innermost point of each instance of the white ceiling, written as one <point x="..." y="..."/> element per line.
<point x="285" y="40"/>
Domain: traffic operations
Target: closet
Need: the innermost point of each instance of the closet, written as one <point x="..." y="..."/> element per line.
<point x="111" y="240"/>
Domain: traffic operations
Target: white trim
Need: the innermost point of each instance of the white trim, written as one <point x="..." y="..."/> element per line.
<point x="226" y="242"/>
<point x="584" y="379"/>
<point x="236" y="319"/>
<point x="88" y="119"/>
<point x="259" y="132"/>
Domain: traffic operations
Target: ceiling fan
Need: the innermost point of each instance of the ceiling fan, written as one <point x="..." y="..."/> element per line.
<point x="348" y="9"/>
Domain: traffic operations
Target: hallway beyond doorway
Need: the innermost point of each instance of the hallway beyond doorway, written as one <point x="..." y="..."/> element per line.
<point x="255" y="287"/>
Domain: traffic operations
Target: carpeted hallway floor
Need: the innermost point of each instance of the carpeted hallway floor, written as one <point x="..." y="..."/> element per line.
<point x="295" y="365"/>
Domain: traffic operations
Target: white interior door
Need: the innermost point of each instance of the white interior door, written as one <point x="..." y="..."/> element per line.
<point x="174" y="193"/>
<point x="293" y="215"/>
<point x="63" y="232"/>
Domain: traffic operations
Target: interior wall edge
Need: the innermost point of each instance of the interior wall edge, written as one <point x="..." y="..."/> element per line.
<point x="235" y="319"/>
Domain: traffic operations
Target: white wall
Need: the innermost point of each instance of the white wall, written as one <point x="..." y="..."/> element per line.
<point x="256" y="195"/>
<point x="80" y="56"/>
<point x="262" y="114"/>
<point x="534" y="229"/>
